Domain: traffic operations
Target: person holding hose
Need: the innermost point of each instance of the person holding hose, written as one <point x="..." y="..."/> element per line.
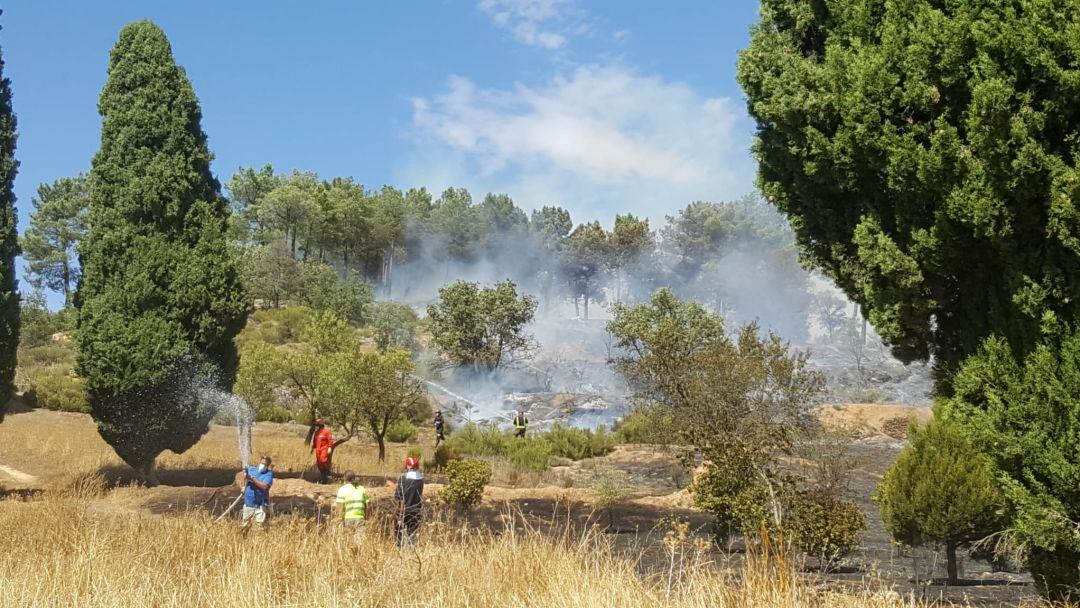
<point x="440" y="426"/>
<point x="322" y="445"/>
<point x="258" y="480"/>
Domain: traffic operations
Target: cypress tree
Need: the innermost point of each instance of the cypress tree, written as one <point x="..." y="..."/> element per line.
<point x="9" y="245"/>
<point x="160" y="298"/>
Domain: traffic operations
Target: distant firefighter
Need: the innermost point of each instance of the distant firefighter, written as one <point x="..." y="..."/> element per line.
<point x="353" y="499"/>
<point x="521" y="423"/>
<point x="440" y="427"/>
<point x="322" y="444"/>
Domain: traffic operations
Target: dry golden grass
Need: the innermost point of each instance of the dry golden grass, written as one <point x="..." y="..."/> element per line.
<point x="58" y="551"/>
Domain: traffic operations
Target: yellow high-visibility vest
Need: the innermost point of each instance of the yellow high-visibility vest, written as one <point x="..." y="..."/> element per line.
<point x="355" y="500"/>
<point x="520" y="422"/>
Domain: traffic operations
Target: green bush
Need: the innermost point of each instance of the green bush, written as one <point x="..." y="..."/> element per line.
<point x="54" y="388"/>
<point x="475" y="440"/>
<point x="466" y="482"/>
<point x="610" y="488"/>
<point x="276" y="326"/>
<point x="732" y="491"/>
<point x="637" y="427"/>
<point x="401" y="431"/>
<point x="53" y="354"/>
<point x="579" y="444"/>
<point x="273" y="413"/>
<point x="532" y="454"/>
<point x="824" y="525"/>
<point x="443" y="456"/>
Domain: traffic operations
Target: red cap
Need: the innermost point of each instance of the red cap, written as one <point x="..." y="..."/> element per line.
<point x="318" y="421"/>
<point x="412" y="462"/>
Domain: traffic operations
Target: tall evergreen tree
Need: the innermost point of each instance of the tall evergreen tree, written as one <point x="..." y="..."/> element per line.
<point x="160" y="297"/>
<point x="9" y="244"/>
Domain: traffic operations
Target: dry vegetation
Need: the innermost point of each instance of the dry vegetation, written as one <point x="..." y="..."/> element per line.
<point x="57" y="552"/>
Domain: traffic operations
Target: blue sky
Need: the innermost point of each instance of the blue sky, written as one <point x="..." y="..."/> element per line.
<point x="601" y="107"/>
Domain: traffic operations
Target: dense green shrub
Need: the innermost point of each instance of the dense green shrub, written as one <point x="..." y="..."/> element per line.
<point x="476" y="440"/>
<point x="824" y="525"/>
<point x="38" y="324"/>
<point x="276" y="326"/>
<point x="532" y="453"/>
<point x="393" y="324"/>
<point x="54" y="388"/>
<point x="637" y="427"/>
<point x="578" y="444"/>
<point x="466" y="482"/>
<point x="401" y="431"/>
<point x="732" y="491"/>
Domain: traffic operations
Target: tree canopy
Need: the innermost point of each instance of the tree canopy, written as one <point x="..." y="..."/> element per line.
<point x="9" y="244"/>
<point x="482" y="328"/>
<point x="57" y="225"/>
<point x="925" y="154"/>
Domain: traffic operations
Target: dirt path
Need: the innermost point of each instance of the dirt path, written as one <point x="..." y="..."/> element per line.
<point x="17" y="475"/>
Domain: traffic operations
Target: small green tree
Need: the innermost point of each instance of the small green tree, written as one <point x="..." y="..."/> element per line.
<point x="368" y="392"/>
<point x="609" y="489"/>
<point x="482" y="329"/>
<point x="160" y="298"/>
<point x="940" y="489"/>
<point x="57" y="225"/>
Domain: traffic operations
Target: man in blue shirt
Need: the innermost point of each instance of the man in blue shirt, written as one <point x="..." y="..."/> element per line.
<point x="257" y="492"/>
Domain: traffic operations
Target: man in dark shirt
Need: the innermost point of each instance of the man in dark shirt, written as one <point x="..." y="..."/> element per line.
<point x="440" y="426"/>
<point x="409" y="495"/>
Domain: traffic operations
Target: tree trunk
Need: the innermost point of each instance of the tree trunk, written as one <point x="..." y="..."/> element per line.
<point x="577" y="310"/>
<point x="382" y="447"/>
<point x="147" y="474"/>
<point x="950" y="558"/>
<point x="586" y="305"/>
<point x="67" y="281"/>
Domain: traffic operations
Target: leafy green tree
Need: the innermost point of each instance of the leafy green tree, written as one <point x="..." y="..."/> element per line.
<point x="940" y="489"/>
<point x="248" y="188"/>
<point x="394" y="325"/>
<point x="289" y="209"/>
<point x="458" y="223"/>
<point x="321" y="289"/>
<point x="482" y="329"/>
<point x="924" y="153"/>
<point x="548" y="227"/>
<point x="349" y="224"/>
<point x="369" y="392"/>
<point x="740" y="400"/>
<point x="697" y="233"/>
<point x="506" y="225"/>
<point x="57" y="225"/>
<point x="1024" y="414"/>
<point x="9" y="245"/>
<point x="160" y="297"/>
<point x="270" y="273"/>
<point x="585" y="255"/>
<point x="630" y="241"/>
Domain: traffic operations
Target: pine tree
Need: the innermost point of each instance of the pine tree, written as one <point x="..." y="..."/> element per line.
<point x="160" y="297"/>
<point x="940" y="489"/>
<point x="9" y="245"/>
<point x="57" y="225"/>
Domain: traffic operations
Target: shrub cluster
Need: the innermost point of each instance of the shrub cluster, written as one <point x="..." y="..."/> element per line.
<point x="54" y="388"/>
<point x="535" y="451"/>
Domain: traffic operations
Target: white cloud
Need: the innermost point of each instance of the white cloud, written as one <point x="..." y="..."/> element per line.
<point x="599" y="140"/>
<point x="542" y="23"/>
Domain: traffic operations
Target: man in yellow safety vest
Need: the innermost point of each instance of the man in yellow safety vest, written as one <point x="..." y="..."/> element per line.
<point x="520" y="423"/>
<point x="353" y="499"/>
